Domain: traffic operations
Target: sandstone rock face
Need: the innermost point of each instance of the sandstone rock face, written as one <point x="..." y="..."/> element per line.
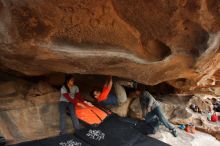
<point x="176" y="42"/>
<point x="40" y="89"/>
<point x="182" y="114"/>
<point x="30" y="111"/>
<point x="32" y="122"/>
<point x="26" y="116"/>
<point x="148" y="41"/>
<point x="217" y="91"/>
<point x="204" y="104"/>
<point x="29" y="108"/>
<point x="185" y="139"/>
<point x="123" y="109"/>
<point x="7" y="88"/>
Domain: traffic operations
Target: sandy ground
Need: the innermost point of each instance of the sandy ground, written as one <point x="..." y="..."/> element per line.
<point x="186" y="139"/>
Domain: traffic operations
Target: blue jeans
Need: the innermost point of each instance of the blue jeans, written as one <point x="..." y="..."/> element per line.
<point x="158" y="112"/>
<point x="63" y="106"/>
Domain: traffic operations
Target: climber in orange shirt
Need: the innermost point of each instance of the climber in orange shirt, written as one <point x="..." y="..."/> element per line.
<point x="106" y="97"/>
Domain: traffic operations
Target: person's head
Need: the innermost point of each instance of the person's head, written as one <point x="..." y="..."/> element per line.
<point x="214" y="100"/>
<point x="95" y="93"/>
<point x="69" y="82"/>
<point x="137" y="92"/>
<point x="140" y="88"/>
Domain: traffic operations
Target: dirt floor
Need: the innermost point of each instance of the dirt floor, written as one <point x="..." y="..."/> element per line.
<point x="186" y="139"/>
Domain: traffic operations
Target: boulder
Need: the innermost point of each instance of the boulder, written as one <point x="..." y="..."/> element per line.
<point x="217" y="136"/>
<point x="167" y="109"/>
<point x="35" y="117"/>
<point x="135" y="109"/>
<point x="147" y="41"/>
<point x="122" y="110"/>
<point x="217" y="91"/>
<point x="204" y="104"/>
<point x="181" y="116"/>
<point x="31" y="123"/>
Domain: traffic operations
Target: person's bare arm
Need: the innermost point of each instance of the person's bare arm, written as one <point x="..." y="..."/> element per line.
<point x="109" y="82"/>
<point x="105" y="91"/>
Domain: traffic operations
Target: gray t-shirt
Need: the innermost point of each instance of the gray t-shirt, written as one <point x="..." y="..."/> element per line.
<point x="73" y="92"/>
<point x="147" y="100"/>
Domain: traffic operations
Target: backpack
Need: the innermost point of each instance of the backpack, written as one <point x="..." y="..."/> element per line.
<point x="214" y="118"/>
<point x="218" y="108"/>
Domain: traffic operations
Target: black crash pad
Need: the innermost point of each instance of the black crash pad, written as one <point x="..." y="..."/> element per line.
<point x="113" y="131"/>
<point x="116" y="132"/>
<point x="63" y="140"/>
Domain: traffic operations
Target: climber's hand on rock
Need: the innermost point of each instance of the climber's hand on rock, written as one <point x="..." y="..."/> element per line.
<point x="149" y="109"/>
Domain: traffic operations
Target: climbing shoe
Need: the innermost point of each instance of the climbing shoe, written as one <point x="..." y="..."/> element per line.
<point x="174" y="132"/>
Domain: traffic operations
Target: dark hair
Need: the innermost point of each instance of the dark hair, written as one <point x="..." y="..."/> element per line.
<point x="93" y="90"/>
<point x="67" y="79"/>
<point x="141" y="87"/>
